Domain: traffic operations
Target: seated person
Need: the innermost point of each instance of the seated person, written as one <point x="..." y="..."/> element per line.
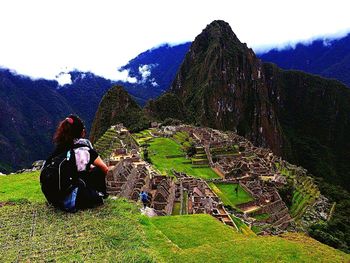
<point x="73" y="177"/>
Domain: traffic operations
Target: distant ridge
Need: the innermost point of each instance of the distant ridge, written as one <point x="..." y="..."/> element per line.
<point x="328" y="58"/>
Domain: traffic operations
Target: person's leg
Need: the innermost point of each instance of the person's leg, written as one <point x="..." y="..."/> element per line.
<point x="87" y="197"/>
<point x="96" y="180"/>
<point x="90" y="184"/>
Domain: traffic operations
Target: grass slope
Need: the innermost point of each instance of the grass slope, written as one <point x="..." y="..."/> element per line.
<point x="201" y="238"/>
<point x="35" y="232"/>
<point x="160" y="148"/>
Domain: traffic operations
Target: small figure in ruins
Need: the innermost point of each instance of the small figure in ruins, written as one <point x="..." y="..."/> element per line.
<point x="144" y="198"/>
<point x="236" y="189"/>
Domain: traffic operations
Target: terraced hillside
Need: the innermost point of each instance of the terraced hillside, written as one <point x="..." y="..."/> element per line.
<point x="107" y="143"/>
<point x="305" y="190"/>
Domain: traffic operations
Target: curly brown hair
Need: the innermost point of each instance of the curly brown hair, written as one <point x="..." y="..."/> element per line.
<point x="69" y="129"/>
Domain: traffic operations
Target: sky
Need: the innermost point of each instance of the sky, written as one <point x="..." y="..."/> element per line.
<point x="42" y="38"/>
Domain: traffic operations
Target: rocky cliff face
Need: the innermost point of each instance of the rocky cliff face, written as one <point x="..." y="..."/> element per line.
<point x="222" y="84"/>
<point x="117" y="106"/>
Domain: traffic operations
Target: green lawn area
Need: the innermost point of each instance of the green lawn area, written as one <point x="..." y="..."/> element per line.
<point x="116" y="232"/>
<point x="201" y="238"/>
<point x="228" y="194"/>
<point x="161" y="147"/>
<point x="21" y="188"/>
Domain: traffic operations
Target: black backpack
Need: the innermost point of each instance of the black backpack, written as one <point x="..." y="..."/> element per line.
<point x="59" y="176"/>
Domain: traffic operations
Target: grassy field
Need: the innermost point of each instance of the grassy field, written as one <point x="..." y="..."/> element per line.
<point x="160" y="148"/>
<point x="228" y="195"/>
<point x="31" y="231"/>
<point x="21" y="188"/>
<point x="201" y="238"/>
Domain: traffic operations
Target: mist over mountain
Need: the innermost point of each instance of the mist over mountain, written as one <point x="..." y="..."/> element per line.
<point x="31" y="110"/>
<point x="154" y="71"/>
<point x="328" y="58"/>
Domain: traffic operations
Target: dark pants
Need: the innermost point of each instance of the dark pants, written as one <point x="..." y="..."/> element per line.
<point x="90" y="186"/>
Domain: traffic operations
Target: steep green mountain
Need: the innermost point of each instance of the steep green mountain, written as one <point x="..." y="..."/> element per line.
<point x="222" y="85"/>
<point x="117" y="106"/>
<point x="304" y="118"/>
<point x="314" y="114"/>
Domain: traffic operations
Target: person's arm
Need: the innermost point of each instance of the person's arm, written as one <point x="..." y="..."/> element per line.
<point x="100" y="164"/>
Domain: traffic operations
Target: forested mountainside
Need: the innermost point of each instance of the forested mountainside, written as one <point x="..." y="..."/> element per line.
<point x="117" y="106"/>
<point x="328" y="58"/>
<point x="30" y="111"/>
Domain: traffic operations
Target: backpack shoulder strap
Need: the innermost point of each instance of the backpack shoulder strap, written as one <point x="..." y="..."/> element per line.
<point x="78" y="145"/>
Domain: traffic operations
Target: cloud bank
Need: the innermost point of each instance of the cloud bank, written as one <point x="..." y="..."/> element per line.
<point x="41" y="38"/>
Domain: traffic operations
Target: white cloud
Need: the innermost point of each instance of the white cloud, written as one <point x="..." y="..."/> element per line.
<point x="124" y="76"/>
<point x="145" y="71"/>
<point x="64" y="78"/>
<point x="154" y="83"/>
<point x="40" y="38"/>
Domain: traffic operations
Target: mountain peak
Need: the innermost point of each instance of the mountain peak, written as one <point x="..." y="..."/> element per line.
<point x="222" y="84"/>
<point x="219" y="32"/>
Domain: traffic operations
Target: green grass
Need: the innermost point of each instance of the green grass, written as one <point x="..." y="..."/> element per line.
<point x="201" y="238"/>
<point x="38" y="233"/>
<point x="261" y="216"/>
<point x="32" y="231"/>
<point x="227" y="194"/>
<point x="21" y="188"/>
<point x="257" y="229"/>
<point x="243" y="228"/>
<point x="161" y="147"/>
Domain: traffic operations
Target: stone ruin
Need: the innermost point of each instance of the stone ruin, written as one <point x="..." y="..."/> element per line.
<point x="201" y="199"/>
<point x="269" y="201"/>
<point x="129" y="177"/>
<point x="234" y="158"/>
